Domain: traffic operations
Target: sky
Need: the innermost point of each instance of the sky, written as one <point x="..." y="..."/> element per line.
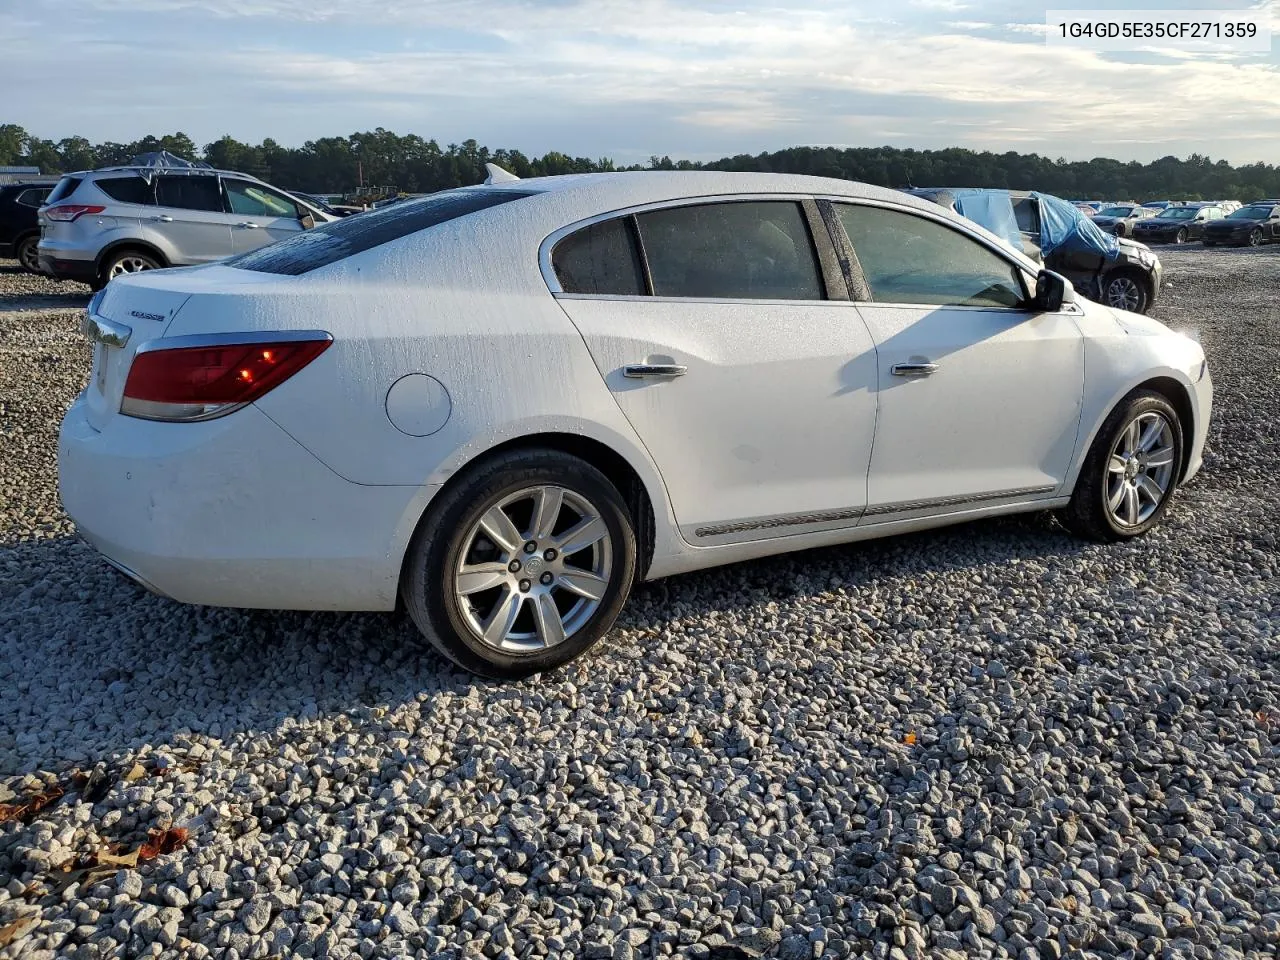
<point x="692" y="79"/>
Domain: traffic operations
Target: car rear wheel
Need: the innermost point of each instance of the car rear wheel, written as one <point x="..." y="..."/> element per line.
<point x="1180" y="236"/>
<point x="27" y="255"/>
<point x="1126" y="290"/>
<point x="522" y="565"/>
<point x="126" y="261"/>
<point x="1255" y="238"/>
<point x="1131" y="472"/>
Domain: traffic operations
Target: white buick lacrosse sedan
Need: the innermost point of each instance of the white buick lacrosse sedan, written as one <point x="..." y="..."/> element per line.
<point x="505" y="405"/>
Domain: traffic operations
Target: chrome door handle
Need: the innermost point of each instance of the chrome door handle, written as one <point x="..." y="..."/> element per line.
<point x="654" y="371"/>
<point x="248" y="225"/>
<point x="913" y="369"/>
<point x="163" y="218"/>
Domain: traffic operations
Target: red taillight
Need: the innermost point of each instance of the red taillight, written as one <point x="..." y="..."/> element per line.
<point x="68" y="212"/>
<point x="208" y="380"/>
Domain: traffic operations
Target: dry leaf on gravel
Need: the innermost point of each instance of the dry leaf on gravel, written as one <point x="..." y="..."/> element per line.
<point x="26" y="810"/>
<point x="136" y="772"/>
<point x="161" y="842"/>
<point x="12" y="931"/>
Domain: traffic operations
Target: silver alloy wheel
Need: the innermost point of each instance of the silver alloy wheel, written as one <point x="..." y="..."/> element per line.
<point x="533" y="569"/>
<point x="131" y="263"/>
<point x="1180" y="236"/>
<point x="1123" y="293"/>
<point x="1140" y="469"/>
<point x="29" y="256"/>
<point x="1255" y="238"/>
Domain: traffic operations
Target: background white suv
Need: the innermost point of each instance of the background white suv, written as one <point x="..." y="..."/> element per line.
<point x="99" y="224"/>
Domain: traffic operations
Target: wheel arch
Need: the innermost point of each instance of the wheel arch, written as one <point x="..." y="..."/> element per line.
<point x="1180" y="398"/>
<point x="620" y="471"/>
<point x="129" y="243"/>
<point x="1172" y="389"/>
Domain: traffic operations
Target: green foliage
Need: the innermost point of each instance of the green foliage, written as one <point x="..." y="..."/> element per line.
<point x="379" y="159"/>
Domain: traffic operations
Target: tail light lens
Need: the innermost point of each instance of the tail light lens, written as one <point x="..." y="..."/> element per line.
<point x="215" y="375"/>
<point x="69" y="212"/>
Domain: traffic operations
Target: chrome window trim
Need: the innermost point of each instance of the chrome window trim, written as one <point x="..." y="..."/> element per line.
<point x="642" y="298"/>
<point x="548" y="243"/>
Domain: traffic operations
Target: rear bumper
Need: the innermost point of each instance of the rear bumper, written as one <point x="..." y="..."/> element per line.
<point x="85" y="271"/>
<point x="233" y="512"/>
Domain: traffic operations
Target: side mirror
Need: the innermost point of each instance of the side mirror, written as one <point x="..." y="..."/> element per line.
<point x="1052" y="291"/>
<point x="307" y="221"/>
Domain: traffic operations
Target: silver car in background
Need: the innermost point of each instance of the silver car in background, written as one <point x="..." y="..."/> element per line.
<point x="103" y="223"/>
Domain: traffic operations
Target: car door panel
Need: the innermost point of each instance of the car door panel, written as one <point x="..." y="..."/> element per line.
<point x="195" y="235"/>
<point x="768" y="431"/>
<point x="979" y="397"/>
<point x="997" y="418"/>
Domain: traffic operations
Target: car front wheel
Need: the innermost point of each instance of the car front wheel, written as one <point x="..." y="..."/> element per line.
<point x="1255" y="238"/>
<point x="522" y="565"/>
<point x="1181" y="236"/>
<point x="1129" y="476"/>
<point x="1126" y="291"/>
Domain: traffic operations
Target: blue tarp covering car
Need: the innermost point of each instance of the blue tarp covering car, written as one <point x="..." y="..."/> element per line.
<point x="992" y="209"/>
<point x="1063" y="226"/>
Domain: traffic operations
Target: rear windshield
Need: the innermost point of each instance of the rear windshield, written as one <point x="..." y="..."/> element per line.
<point x="66" y="186"/>
<point x="331" y="242"/>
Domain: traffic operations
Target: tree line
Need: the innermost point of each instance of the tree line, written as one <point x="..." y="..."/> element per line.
<point x="381" y="159"/>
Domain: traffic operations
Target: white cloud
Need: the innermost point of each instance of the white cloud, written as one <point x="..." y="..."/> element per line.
<point x="628" y="78"/>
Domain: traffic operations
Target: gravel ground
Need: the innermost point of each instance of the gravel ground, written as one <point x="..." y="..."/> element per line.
<point x="989" y="741"/>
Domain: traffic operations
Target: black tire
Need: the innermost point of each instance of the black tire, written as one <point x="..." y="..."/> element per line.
<point x="1089" y="514"/>
<point x="125" y="260"/>
<point x="1180" y="236"/>
<point x="1140" y="290"/>
<point x="25" y="253"/>
<point x="1255" y="238"/>
<point x="446" y="531"/>
<point x="1120" y="230"/>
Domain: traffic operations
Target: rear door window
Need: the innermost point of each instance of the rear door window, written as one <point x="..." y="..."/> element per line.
<point x="339" y="239"/>
<point x="752" y="250"/>
<point x="127" y="189"/>
<point x="601" y="259"/>
<point x="189" y="193"/>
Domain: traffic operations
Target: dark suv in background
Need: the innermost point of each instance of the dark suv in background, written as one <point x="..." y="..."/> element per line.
<point x="19" y="226"/>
